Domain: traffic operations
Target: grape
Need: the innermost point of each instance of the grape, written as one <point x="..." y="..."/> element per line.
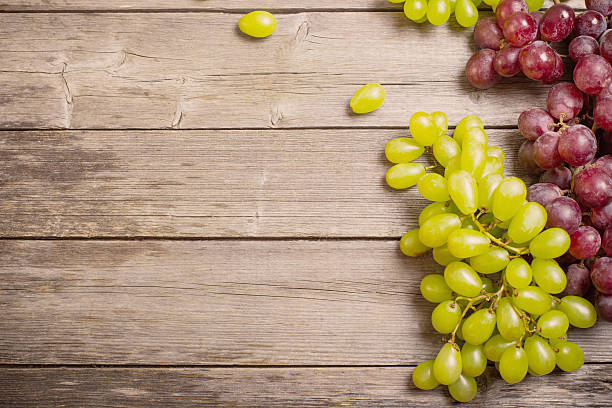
<point x="585" y="242"/>
<point x="513" y="364"/>
<point x="578" y="280"/>
<point x="435" y="209"/>
<point x="541" y="357"/>
<point x="496" y="151"/>
<point x="534" y="4"/>
<point x="443" y="256"/>
<point x="601" y="275"/>
<point x="528" y="222"/>
<point x="506" y="8"/>
<point x="432" y="187"/>
<point x="593" y="187"/>
<point x="464" y="389"/>
<point x="257" y="24"/>
<point x="410" y="244"/>
<point x="525" y="157"/>
<point x="491" y="261"/>
<point x="583" y="46"/>
<point x="492" y="166"/>
<point x="464" y="191"/>
<point x="520" y="29"/>
<point x="445" y="148"/>
<point x="434" y="288"/>
<point x="553" y="323"/>
<point x="509" y="323"/>
<point x="473" y="359"/>
<point x="508" y="198"/>
<point x="438" y="11"/>
<point x="546" y="150"/>
<point x="423" y="128"/>
<point x="537" y="16"/>
<point x="415" y="9"/>
<point x="479" y="70"/>
<point x="606" y="92"/>
<point x="605" y="163"/>
<point x="466" y="243"/>
<point x="602" y="217"/>
<point x="591" y="73"/>
<point x="557" y="23"/>
<point x="607" y="241"/>
<point x="486" y="189"/>
<point x="404" y="175"/>
<point x="454" y="165"/>
<point x="435" y="231"/>
<point x="534" y="122"/>
<point x="605" y="45"/>
<point x="556" y="73"/>
<point x="466" y="13"/>
<point x="462" y="279"/>
<point x="537" y="60"/>
<point x="532" y="299"/>
<point x="479" y="327"/>
<point x="464" y="125"/>
<point x="473" y="156"/>
<point x="475" y="134"/>
<point x="423" y="376"/>
<point x="569" y="356"/>
<point x="367" y="99"/>
<point x="577" y="145"/>
<point x="564" y="99"/>
<point x="403" y="150"/>
<point x="506" y="62"/>
<point x="543" y="194"/>
<point x="548" y="275"/>
<point x="445" y="316"/>
<point x="441" y="122"/>
<point x="495" y="347"/>
<point x="447" y="365"/>
<point x="561" y="176"/>
<point x="602" y="6"/>
<point x="518" y="273"/>
<point x="603" y="113"/>
<point x="591" y="23"/>
<point x="604" y="305"/>
<point x="487" y="34"/>
<point x="552" y="243"/>
<point x="580" y="311"/>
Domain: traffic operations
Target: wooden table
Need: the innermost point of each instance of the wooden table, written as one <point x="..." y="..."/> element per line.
<point x="193" y="217"/>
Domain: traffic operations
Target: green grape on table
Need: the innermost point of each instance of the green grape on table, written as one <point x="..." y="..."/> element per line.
<point x="462" y="279"/>
<point x="532" y="299"/>
<point x="580" y="312"/>
<point x="540" y="355"/>
<point x="486" y="188"/>
<point x="473" y="157"/>
<point x="443" y="256"/>
<point x="508" y="198"/>
<point x="534" y="5"/>
<point x="466" y="124"/>
<point x="453" y="166"/>
<point x="441" y="122"/>
<point x="434" y="288"/>
<point x="475" y="134"/>
<point x="447" y="364"/>
<point x="436" y="208"/>
<point x="423" y="128"/>
<point x="492" y="261"/>
<point x="258" y="24"/>
<point x="519" y="273"/>
<point x="553" y="324"/>
<point x="528" y="222"/>
<point x="367" y="99"/>
<point x="445" y="316"/>
<point x="438" y="11"/>
<point x="473" y="359"/>
<point x="404" y="175"/>
<point x="466" y="13"/>
<point x="411" y="245"/>
<point x="479" y="326"/>
<point x="444" y="149"/>
<point x="403" y="150"/>
<point x="548" y="275"/>
<point x="416" y="10"/>
<point x="492" y="166"/>
<point x="570" y="356"/>
<point x="551" y="243"/>
<point x="464" y="389"/>
<point x="509" y="323"/>
<point x="463" y="190"/>
<point x="513" y="364"/>
<point x="495" y="347"/>
<point x="466" y="243"/>
<point x="423" y="376"/>
<point x="435" y="231"/>
<point x="496" y="151"/>
<point x="433" y="187"/>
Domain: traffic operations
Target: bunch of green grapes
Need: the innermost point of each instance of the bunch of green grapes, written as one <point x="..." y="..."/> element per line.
<point x="491" y="302"/>
<point x="438" y="12"/>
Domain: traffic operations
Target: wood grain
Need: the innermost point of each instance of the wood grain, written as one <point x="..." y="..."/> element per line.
<point x="102" y="70"/>
<point x="221" y="302"/>
<point x="238" y="183"/>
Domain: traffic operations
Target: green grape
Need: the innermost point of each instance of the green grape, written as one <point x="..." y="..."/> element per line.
<point x="495" y="347"/>
<point x="423" y="128"/>
<point x="445" y="316"/>
<point x="579" y="311"/>
<point x="465" y="243"/>
<point x="438" y="11"/>
<point x="468" y="223"/>
<point x="464" y="125"/>
<point x="496" y="151"/>
<point x="553" y="324"/>
<point x="454" y="165"/>
<point x="508" y="198"/>
<point x="557" y="341"/>
<point x="447" y="365"/>
<point x="487" y="284"/>
<point x="473" y="157"/>
<point x="494" y="260"/>
<point x="415" y="9"/>
<point x="570" y="356"/>
<point x="443" y="256"/>
<point x="421" y="20"/>
<point x="509" y="323"/>
<point x="441" y="122"/>
<point x="466" y="13"/>
<point x="473" y="359"/>
<point x="423" y="376"/>
<point x="432" y="187"/>
<point x="434" y="288"/>
<point x="462" y="279"/>
<point x="532" y="299"/>
<point x="548" y="275"/>
<point x="513" y="364"/>
<point x="528" y="222"/>
<point x="534" y="4"/>
<point x="410" y="244"/>
<point x="475" y="134"/>
<point x="518" y="273"/>
<point x="464" y="191"/>
<point x="551" y="243"/>
<point x="486" y="188"/>
<point x="444" y="149"/>
<point x="492" y="166"/>
<point x="403" y="150"/>
<point x="464" y="389"/>
<point x="436" y="209"/>
<point x="435" y="231"/>
<point x="404" y="175"/>
<point x="257" y="24"/>
<point x="476" y="2"/>
<point x="367" y="99"/>
<point x="452" y="3"/>
<point x="541" y="357"/>
<point x="479" y="327"/>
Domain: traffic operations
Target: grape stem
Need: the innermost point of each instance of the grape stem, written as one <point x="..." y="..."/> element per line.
<point x="470" y="305"/>
<point x="518" y="251"/>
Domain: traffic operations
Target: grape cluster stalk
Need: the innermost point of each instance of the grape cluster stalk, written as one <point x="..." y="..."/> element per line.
<point x="496" y="298"/>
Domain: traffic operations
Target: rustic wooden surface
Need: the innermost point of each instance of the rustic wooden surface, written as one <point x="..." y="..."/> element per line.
<point x="190" y="217"/>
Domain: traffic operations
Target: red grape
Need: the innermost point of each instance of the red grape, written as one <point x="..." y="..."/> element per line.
<point x="601" y="275"/>
<point x="593" y="187"/>
<point x="537" y="60"/>
<point x="565" y="213"/>
<point x="557" y="72"/>
<point x="578" y="280"/>
<point x="543" y="193"/>
<point x="479" y="70"/>
<point x="561" y="176"/>
<point x="607" y="241"/>
<point x="520" y="29"/>
<point x="591" y="73"/>
<point x="583" y="46"/>
<point x="603" y="6"/>
<point x="533" y="122"/>
<point x="487" y="34"/>
<point x="546" y="151"/>
<point x="603" y="113"/>
<point x="602" y="217"/>
<point x="605" y="45"/>
<point x="564" y="99"/>
<point x="605" y="163"/>
<point x="507" y="8"/>
<point x="557" y="23"/>
<point x="585" y="242"/>
<point x="537" y="16"/>
<point x="506" y="62"/>
<point x="604" y="305"/>
<point x="591" y="23"/>
<point x="577" y="145"/>
<point x="525" y="157"/>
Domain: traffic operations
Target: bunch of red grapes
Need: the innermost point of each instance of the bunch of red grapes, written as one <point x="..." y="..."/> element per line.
<point x="516" y="40"/>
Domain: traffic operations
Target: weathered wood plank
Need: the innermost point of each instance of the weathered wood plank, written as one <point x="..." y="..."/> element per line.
<point x="221" y="302"/>
<point x="284" y="183"/>
<point x="107" y="71"/>
<point x="288" y="387"/>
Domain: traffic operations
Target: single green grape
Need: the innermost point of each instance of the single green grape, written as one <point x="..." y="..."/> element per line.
<point x="410" y="244"/>
<point x="464" y="125"/>
<point x="475" y="134"/>
<point x="479" y="326"/>
<point x="447" y="365"/>
<point x="441" y="122"/>
<point x="464" y="389"/>
<point x="404" y="175"/>
<point x="579" y="311"/>
<point x="454" y="165"/>
<point x="541" y="357"/>
<point x="423" y="376"/>
<point x="443" y="256"/>
<point x="473" y="359"/>
<point x="486" y="188"/>
<point x="492" y="166"/>
<point x="509" y="323"/>
<point x="438" y="11"/>
<point x="532" y="299"/>
<point x="513" y="364"/>
<point x="258" y="24"/>
<point x="518" y="273"/>
<point x="445" y="316"/>
<point x="466" y="13"/>
<point x="570" y="356"/>
<point x="464" y="191"/>
<point x="403" y="150"/>
<point x="553" y="324"/>
<point x="465" y="243"/>
<point x="494" y="260"/>
<point x="508" y="198"/>
<point x="415" y="9"/>
<point x="495" y="347"/>
<point x="434" y="288"/>
<point x="473" y="157"/>
<point x="444" y="149"/>
<point x="487" y="284"/>
<point x="528" y="222"/>
<point x="433" y="187"/>
<point x="548" y="275"/>
<point x="367" y="99"/>
<point x="551" y="243"/>
<point x="496" y="151"/>
<point x="462" y="279"/>
<point x="534" y="4"/>
<point x="435" y="231"/>
<point x="435" y="209"/>
<point x="423" y="128"/>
